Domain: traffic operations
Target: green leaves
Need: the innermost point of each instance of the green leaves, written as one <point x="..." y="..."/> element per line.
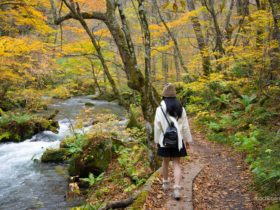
<point x="5" y="135"/>
<point x="92" y="180"/>
<point x="76" y="145"/>
<point x="215" y="127"/>
<point x="224" y="98"/>
<point x="247" y="102"/>
<point x="16" y="117"/>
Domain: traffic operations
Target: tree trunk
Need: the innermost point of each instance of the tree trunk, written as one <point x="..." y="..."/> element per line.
<point x="275" y="8"/>
<point x="136" y="81"/>
<point x="164" y="60"/>
<point x="122" y="38"/>
<point x="200" y="40"/>
<point x="243" y="11"/>
<point x="260" y="32"/>
<point x="75" y="11"/>
<point x="228" y="27"/>
<point x="177" y="67"/>
<point x="94" y="76"/>
<point x="219" y="36"/>
<point x="148" y="86"/>
<point x="173" y="38"/>
<point x="154" y="68"/>
<point x="275" y="51"/>
<point x="101" y="58"/>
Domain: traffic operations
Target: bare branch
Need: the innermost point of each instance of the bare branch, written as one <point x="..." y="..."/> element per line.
<point x="85" y="15"/>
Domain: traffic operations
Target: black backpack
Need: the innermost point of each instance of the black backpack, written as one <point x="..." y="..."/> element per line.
<point x="170" y="139"/>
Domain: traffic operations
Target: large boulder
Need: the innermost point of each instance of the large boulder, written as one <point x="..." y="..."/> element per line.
<point x="17" y="127"/>
<point x="55" y="155"/>
<point x="95" y="158"/>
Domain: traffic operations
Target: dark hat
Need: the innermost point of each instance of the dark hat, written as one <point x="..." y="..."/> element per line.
<point x="169" y="90"/>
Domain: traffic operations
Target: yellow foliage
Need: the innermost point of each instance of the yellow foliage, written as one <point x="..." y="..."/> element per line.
<point x="92" y="5"/>
<point x="10" y="47"/>
<point x="103" y="33"/>
<point x="81" y="47"/>
<point x="158" y="29"/>
<point x="158" y="49"/>
<point x="25" y="14"/>
<point x="76" y="30"/>
<point x="23" y="60"/>
<point x="60" y="92"/>
<point x="31" y="97"/>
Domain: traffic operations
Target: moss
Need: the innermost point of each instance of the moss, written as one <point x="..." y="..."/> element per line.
<point x="89" y="104"/>
<point x="105" y="96"/>
<point x="21" y="126"/>
<point x="95" y="158"/>
<point x="54" y="155"/>
<point x="134" y="115"/>
<point x="64" y="143"/>
<point x="275" y="206"/>
<point x="139" y="201"/>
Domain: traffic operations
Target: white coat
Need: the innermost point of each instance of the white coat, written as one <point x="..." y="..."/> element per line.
<point x="160" y="125"/>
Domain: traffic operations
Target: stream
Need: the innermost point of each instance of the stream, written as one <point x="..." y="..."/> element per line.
<point x="27" y="184"/>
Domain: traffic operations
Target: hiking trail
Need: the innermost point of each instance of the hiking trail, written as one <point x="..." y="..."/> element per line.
<point x="214" y="177"/>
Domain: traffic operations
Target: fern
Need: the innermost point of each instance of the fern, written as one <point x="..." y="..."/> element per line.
<point x="92" y="180"/>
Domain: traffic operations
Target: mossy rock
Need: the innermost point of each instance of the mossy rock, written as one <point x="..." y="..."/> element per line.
<point x="127" y="95"/>
<point x="64" y="143"/>
<point x="55" y="155"/>
<point x="133" y="117"/>
<point x="21" y="126"/>
<point x="105" y="96"/>
<point x="142" y="196"/>
<point x="95" y="158"/>
<point x="140" y="200"/>
<point x="89" y="104"/>
<point x="132" y="121"/>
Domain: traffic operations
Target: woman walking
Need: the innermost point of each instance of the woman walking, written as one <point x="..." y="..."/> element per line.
<point x="171" y="114"/>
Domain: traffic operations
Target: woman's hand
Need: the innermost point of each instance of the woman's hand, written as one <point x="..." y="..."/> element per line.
<point x="187" y="145"/>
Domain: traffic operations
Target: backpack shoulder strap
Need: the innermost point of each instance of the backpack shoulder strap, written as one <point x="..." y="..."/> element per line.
<point x="165" y="115"/>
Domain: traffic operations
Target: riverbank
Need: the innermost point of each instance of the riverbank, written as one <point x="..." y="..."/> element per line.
<point x="19" y="126"/>
<point x="99" y="157"/>
<point x="24" y="182"/>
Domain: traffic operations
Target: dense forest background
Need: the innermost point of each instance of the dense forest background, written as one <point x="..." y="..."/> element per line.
<point x="223" y="56"/>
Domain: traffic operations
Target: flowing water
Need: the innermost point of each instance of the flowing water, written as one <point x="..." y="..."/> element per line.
<point x="27" y="184"/>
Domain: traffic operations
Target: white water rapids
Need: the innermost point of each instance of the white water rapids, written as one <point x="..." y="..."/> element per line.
<point x="27" y="184"/>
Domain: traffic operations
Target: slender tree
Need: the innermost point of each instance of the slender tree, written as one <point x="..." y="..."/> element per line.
<point x="228" y="27"/>
<point x="209" y="5"/>
<point x="75" y="13"/>
<point x="94" y="75"/>
<point x="242" y="7"/>
<point x="275" y="51"/>
<point x="275" y="8"/>
<point x="173" y="38"/>
<point x="120" y="32"/>
<point x="200" y="39"/>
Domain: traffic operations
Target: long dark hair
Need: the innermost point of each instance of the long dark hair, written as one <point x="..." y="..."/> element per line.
<point x="173" y="106"/>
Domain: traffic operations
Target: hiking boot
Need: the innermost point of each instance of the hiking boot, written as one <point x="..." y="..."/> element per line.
<point x="176" y="192"/>
<point x="165" y="185"/>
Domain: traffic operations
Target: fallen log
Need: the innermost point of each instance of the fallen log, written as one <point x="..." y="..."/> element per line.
<point x="137" y="199"/>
